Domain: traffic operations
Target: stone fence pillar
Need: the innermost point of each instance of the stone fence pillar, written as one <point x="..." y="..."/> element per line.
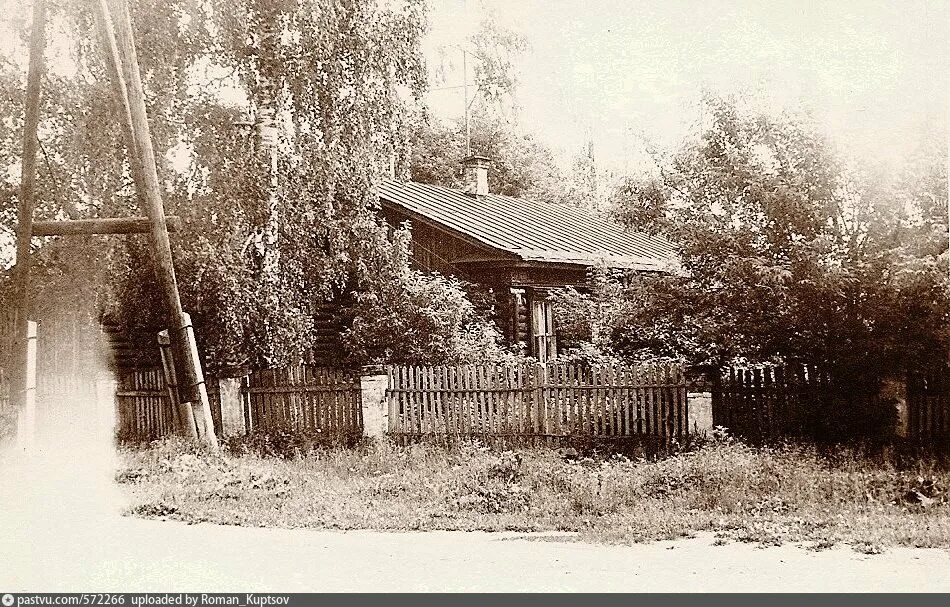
<point x="699" y="399"/>
<point x="700" y="415"/>
<point x="373" y="384"/>
<point x="233" y="422"/>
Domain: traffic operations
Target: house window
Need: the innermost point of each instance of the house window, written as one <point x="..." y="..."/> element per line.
<point x="542" y="328"/>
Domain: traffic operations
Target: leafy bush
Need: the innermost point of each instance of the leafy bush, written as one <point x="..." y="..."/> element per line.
<point x="788" y="255"/>
<point x="405" y="316"/>
<point x="623" y="317"/>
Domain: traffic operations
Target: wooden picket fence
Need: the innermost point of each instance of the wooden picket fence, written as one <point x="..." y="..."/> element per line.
<point x="763" y="402"/>
<point x="305" y="398"/>
<point x="537" y="403"/>
<point x="143" y="409"/>
<point x="293" y="399"/>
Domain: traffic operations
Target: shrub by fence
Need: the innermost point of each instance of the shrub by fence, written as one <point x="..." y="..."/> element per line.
<point x="537" y="403"/>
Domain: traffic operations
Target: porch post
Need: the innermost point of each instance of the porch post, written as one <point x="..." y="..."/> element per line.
<point x="517" y="304"/>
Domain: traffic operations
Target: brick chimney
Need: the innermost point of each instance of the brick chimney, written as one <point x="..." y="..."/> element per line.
<point x="476" y="175"/>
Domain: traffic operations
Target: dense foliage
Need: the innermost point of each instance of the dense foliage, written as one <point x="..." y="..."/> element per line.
<point x="787" y="254"/>
<point x="256" y="254"/>
<point x="406" y="316"/>
<point x="521" y="165"/>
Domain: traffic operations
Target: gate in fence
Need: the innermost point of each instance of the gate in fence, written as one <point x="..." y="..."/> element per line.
<point x="538" y="403"/>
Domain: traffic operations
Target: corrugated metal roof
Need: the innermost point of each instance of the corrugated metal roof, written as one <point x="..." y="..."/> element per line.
<point x="534" y="231"/>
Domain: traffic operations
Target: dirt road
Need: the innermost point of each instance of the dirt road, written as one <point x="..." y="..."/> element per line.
<point x="60" y="531"/>
<point x="138" y="555"/>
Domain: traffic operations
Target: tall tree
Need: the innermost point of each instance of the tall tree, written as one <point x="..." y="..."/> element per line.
<point x="786" y="255"/>
<point x="521" y="165"/>
<point x="337" y="77"/>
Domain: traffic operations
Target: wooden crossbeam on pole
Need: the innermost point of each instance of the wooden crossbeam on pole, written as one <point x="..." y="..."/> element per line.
<point x="111" y="225"/>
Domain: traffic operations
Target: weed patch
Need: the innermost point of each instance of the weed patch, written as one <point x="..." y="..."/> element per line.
<point x="767" y="495"/>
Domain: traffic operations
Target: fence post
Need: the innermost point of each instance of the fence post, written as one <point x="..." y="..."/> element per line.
<point x="539" y="380"/>
<point x="373" y="384"/>
<point x="249" y="420"/>
<point x="232" y="406"/>
<point x="181" y="412"/>
<point x="699" y="411"/>
<point x="26" y="417"/>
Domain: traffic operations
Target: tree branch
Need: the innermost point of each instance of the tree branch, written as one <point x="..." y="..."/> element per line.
<point x="70" y="208"/>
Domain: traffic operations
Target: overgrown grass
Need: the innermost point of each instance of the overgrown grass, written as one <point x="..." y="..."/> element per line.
<point x="767" y="495"/>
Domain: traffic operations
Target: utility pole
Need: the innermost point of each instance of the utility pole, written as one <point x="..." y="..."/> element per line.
<point x="24" y="232"/>
<point x="468" y="132"/>
<point x="127" y="84"/>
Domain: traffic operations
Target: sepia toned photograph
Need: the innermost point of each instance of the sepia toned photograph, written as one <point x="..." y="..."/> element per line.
<point x="302" y="297"/>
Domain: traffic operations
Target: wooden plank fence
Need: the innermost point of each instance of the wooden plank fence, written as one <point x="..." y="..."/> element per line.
<point x="928" y="404"/>
<point x="538" y="403"/>
<point x="143" y="411"/>
<point x="294" y="399"/>
<point x="763" y="402"/>
<point x="767" y="403"/>
<point x="305" y="398"/>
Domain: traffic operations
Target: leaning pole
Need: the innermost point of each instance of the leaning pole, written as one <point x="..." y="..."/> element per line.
<point x="122" y="65"/>
<point x="119" y="50"/>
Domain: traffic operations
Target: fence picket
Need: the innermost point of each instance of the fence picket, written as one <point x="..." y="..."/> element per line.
<point x="664" y="403"/>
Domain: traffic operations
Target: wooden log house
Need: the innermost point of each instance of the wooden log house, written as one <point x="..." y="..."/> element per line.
<point x="519" y="249"/>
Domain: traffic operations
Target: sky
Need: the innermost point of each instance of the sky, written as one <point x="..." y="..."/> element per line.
<point x="625" y="73"/>
<point x="874" y="75"/>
